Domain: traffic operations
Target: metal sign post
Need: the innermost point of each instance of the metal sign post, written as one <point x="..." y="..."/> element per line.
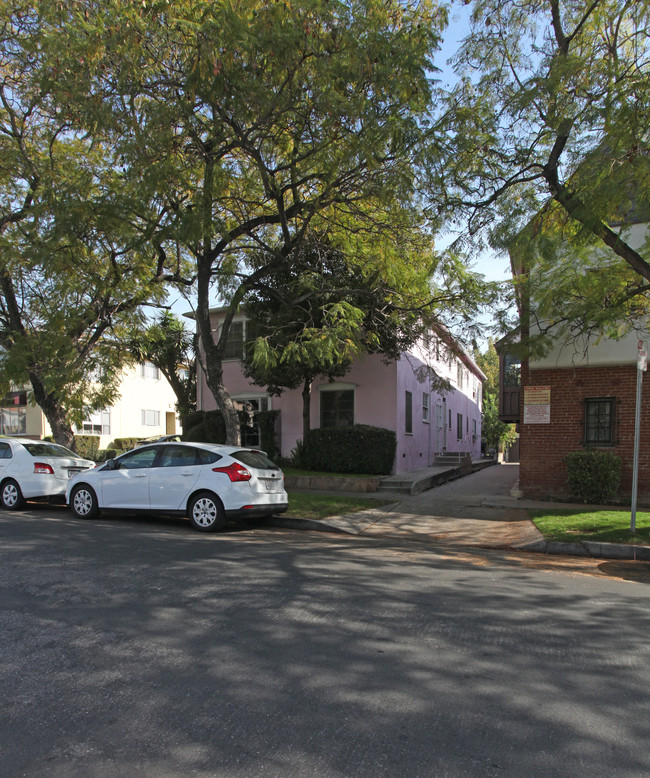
<point x="641" y="367"/>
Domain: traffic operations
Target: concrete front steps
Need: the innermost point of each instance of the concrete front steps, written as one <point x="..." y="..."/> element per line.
<point x="414" y="482"/>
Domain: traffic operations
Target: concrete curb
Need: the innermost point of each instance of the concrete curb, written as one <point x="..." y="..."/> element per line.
<point x="346" y="525"/>
<point x="589" y="548"/>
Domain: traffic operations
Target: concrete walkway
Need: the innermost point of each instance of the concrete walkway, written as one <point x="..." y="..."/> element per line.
<point x="477" y="510"/>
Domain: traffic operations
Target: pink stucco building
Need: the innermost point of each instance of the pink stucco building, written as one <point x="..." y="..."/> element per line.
<point x="400" y="396"/>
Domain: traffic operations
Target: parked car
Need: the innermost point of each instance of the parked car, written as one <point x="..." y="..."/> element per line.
<point x="207" y="482"/>
<point x="35" y="469"/>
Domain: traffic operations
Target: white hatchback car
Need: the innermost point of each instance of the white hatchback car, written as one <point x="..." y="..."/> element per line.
<point x="35" y="469"/>
<point x="208" y="483"/>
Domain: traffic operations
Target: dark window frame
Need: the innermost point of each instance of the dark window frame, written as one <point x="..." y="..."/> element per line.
<point x="408" y="412"/>
<point x="600" y="422"/>
<point x="333" y="413"/>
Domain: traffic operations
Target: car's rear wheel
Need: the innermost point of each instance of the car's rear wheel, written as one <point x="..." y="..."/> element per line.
<point x="206" y="512"/>
<point x="10" y="496"/>
<point x="83" y="502"/>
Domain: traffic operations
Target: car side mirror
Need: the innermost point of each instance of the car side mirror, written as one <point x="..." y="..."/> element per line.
<point x="111" y="464"/>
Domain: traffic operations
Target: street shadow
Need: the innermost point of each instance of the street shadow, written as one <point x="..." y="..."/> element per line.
<point x="139" y="648"/>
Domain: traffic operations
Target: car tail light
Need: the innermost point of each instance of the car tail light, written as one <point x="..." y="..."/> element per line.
<point x="234" y="471"/>
<point x="42" y="467"/>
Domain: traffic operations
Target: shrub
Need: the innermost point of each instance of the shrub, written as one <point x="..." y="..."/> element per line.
<point x="356" y="449"/>
<point x="86" y="446"/>
<point x="107" y="453"/>
<point x="124" y="444"/>
<point x="593" y="476"/>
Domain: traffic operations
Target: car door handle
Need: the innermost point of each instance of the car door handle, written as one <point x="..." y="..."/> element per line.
<point x="140" y="475"/>
<point x="188" y="473"/>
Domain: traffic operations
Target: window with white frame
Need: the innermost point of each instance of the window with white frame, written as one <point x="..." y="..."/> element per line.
<point x="150" y="418"/>
<point x="148" y="370"/>
<point x="473" y="429"/>
<point x="13" y="420"/>
<point x="408" y="413"/>
<point x="426" y="407"/>
<point x="98" y="423"/>
<point x="459" y="375"/>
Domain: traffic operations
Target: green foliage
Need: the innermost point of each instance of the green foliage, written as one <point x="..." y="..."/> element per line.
<point x="167" y="343"/>
<point x="86" y="446"/>
<point x="209" y="427"/>
<point x="494" y="432"/>
<point x="550" y="116"/>
<point x="316" y="315"/>
<point x="356" y="449"/>
<point x="104" y="454"/>
<point x="254" y="122"/>
<point x="593" y="476"/>
<point x="123" y="444"/>
<point x="75" y="261"/>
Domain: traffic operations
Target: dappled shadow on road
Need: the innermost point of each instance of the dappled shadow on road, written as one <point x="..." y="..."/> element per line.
<point x="140" y="647"/>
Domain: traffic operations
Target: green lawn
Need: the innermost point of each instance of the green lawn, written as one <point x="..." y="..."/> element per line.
<point x="611" y="526"/>
<point x="303" y="505"/>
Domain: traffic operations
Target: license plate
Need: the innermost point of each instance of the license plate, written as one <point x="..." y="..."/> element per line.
<point x="272" y="486"/>
<point x="73" y="472"/>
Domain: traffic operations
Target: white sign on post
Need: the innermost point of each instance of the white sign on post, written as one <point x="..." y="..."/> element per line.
<point x="642" y="356"/>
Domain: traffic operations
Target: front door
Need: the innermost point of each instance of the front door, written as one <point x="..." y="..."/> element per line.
<point x="441" y="429"/>
<point x="128" y="485"/>
<point x="176" y="472"/>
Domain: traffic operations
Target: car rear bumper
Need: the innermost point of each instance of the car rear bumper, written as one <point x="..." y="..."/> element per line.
<point x="42" y="487"/>
<point x="256" y="511"/>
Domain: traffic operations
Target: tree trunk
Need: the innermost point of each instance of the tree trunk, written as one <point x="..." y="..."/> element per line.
<point x="306" y="409"/>
<point x="213" y="353"/>
<point x="54" y="413"/>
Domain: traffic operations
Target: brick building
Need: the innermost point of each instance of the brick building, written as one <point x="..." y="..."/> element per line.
<point x="569" y="401"/>
<point x="582" y="394"/>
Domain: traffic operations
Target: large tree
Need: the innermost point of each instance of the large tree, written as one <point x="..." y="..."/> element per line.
<point x="317" y="316"/>
<point x="76" y="259"/>
<point x="549" y="119"/>
<point x="260" y="120"/>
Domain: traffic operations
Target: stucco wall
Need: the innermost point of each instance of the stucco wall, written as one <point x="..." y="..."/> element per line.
<point x="380" y="401"/>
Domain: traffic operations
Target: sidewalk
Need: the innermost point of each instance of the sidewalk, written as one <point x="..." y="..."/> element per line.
<point x="477" y="510"/>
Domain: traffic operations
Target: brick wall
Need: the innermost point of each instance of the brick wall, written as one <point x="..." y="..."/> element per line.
<point x="543" y="446"/>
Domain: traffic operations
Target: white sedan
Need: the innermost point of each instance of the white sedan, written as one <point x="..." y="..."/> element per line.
<point x="35" y="469"/>
<point x="208" y="483"/>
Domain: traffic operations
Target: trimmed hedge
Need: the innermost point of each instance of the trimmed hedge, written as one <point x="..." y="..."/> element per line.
<point x="107" y="453"/>
<point x="593" y="476"/>
<point x="356" y="449"/>
<point x="124" y="444"/>
<point x="86" y="446"/>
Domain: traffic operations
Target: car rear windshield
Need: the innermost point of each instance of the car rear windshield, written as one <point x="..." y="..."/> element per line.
<point x="49" y="450"/>
<point x="254" y="459"/>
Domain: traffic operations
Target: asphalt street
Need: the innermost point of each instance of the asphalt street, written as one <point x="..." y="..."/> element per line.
<point x="137" y="647"/>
